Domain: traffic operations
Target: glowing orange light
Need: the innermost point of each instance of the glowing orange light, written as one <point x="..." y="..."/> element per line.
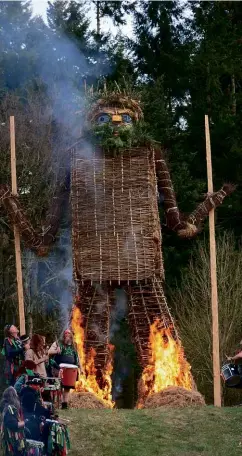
<point x="168" y="365"/>
<point x="87" y="380"/>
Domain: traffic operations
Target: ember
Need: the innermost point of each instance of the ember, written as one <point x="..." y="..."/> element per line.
<point x="168" y="366"/>
<point x="87" y="380"/>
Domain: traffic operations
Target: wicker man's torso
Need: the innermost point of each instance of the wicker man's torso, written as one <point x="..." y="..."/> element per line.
<point x="115" y="219"/>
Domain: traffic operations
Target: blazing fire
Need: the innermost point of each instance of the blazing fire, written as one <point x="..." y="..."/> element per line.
<point x="168" y="366"/>
<point x="87" y="379"/>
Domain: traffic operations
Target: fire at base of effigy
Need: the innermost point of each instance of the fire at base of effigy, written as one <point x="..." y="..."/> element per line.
<point x="166" y="380"/>
<point x="167" y="365"/>
<point x="87" y="382"/>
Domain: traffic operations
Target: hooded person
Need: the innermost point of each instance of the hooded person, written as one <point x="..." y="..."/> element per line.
<point x="13" y="426"/>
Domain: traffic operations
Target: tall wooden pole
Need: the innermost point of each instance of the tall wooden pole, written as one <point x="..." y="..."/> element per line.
<point x="16" y="232"/>
<point x="213" y="273"/>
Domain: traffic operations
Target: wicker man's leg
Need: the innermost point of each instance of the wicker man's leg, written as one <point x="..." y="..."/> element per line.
<point x="95" y="309"/>
<point x="147" y="303"/>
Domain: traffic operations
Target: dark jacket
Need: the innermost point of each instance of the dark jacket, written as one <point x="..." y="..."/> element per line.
<point x="31" y="403"/>
<point x="13" y="353"/>
<point x="13" y="438"/>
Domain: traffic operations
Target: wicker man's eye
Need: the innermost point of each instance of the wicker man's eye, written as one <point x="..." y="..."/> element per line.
<point x="103" y="118"/>
<point x="126" y="118"/>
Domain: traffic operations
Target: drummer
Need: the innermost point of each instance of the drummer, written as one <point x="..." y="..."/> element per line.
<point x="65" y="352"/>
<point x="236" y="357"/>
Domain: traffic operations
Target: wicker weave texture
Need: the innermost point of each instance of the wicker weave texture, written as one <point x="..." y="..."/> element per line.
<point x="116" y="227"/>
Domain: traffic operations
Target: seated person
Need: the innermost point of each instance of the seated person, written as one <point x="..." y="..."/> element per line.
<point x="31" y="399"/>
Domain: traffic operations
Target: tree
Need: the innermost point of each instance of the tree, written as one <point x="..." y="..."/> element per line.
<point x="37" y="173"/>
<point x="215" y="89"/>
<point x="192" y="304"/>
<point x="159" y="50"/>
<point x="15" y="19"/>
<point x="69" y="19"/>
<point x="116" y="10"/>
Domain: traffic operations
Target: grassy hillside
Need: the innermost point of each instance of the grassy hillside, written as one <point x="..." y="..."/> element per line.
<point x="189" y="432"/>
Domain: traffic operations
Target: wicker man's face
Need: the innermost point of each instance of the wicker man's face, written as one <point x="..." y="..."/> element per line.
<point x="114" y="117"/>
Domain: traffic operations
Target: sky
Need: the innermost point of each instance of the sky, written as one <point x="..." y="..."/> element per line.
<point x="40" y="6"/>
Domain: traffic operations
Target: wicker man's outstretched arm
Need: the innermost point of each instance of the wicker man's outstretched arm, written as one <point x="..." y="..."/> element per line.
<point x="185" y="226"/>
<point x="36" y="241"/>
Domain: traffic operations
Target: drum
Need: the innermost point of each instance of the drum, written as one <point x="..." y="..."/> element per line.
<point x="69" y="377"/>
<point x="34" y="448"/>
<point x="230" y="375"/>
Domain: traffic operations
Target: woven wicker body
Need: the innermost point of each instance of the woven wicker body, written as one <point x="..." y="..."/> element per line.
<point x="117" y="242"/>
<point x="116" y="227"/>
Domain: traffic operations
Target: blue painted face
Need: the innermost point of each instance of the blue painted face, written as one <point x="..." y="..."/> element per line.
<point x="106" y="118"/>
<point x="103" y="119"/>
<point x="126" y="119"/>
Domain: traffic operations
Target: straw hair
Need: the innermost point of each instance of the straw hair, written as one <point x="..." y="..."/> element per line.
<point x="118" y="100"/>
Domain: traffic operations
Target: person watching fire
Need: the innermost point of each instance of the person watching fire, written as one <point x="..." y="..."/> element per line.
<point x="13" y="352"/>
<point x="37" y="354"/>
<point x="65" y="352"/>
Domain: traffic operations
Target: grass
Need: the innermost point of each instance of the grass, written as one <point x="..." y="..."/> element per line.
<point x="168" y="432"/>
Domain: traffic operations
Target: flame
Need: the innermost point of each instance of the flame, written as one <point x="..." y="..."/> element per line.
<point x="168" y="365"/>
<point x="87" y="379"/>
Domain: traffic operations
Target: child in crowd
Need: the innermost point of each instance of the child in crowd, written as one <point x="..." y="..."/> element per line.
<point x="12" y="431"/>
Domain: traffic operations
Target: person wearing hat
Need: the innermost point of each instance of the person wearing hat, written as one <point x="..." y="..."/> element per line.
<point x="13" y="352"/>
<point x="31" y="399"/>
<point x="25" y="371"/>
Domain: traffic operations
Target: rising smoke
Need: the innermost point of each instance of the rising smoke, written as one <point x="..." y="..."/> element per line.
<point x="61" y="67"/>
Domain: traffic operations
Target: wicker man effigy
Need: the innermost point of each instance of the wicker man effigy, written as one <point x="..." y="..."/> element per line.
<point x="116" y="231"/>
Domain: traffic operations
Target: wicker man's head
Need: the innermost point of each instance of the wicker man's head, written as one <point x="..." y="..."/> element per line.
<point x="116" y="111"/>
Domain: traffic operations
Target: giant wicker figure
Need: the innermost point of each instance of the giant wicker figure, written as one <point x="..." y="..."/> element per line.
<point x="116" y="231"/>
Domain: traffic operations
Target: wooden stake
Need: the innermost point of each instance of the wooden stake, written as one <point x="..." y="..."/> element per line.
<point x="16" y="232"/>
<point x="213" y="273"/>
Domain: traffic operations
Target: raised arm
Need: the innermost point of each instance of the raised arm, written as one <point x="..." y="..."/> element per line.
<point x="54" y="349"/>
<point x="189" y="226"/>
<point x="36" y="241"/>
